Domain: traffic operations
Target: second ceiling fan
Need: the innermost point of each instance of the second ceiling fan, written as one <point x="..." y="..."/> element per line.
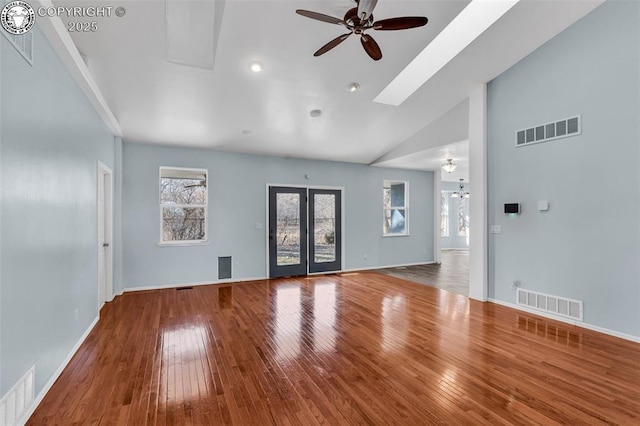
<point x="360" y="19"/>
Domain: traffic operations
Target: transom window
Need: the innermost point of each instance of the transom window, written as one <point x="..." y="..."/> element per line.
<point x="395" y="206"/>
<point x="183" y="205"/>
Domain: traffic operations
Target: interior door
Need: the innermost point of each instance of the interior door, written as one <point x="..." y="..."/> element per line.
<point x="105" y="233"/>
<point x="325" y="229"/>
<point x="102" y="282"/>
<point x="287" y="231"/>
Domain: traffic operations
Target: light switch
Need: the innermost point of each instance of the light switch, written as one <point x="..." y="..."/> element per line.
<point x="496" y="229"/>
<point x="258" y="225"/>
<point x="543" y="205"/>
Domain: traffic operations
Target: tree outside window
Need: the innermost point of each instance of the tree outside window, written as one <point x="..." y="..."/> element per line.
<point x="183" y="205"/>
<point x="444" y="214"/>
<point x="395" y="206"/>
<point x="463" y="217"/>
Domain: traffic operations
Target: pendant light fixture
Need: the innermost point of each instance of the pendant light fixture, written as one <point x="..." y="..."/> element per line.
<point x="461" y="193"/>
<point x="450" y="166"/>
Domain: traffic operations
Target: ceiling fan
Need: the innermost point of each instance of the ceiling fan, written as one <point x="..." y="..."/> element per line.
<point x="360" y="19"/>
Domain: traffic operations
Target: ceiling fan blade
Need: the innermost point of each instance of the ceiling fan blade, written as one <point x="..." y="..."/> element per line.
<point x="371" y="47"/>
<point x="333" y="43"/>
<point x="365" y="8"/>
<point x="403" y="23"/>
<point x="320" y="16"/>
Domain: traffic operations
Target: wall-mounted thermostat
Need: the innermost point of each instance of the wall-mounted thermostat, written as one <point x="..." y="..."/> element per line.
<point x="512" y="208"/>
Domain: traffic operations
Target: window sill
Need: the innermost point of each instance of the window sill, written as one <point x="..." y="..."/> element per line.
<point x="395" y="235"/>
<point x="183" y="243"/>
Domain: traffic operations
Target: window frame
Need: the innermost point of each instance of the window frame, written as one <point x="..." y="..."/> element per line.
<point x="386" y="183"/>
<point x="162" y="206"/>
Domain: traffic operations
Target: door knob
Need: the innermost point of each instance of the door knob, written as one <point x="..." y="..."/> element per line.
<point x="105" y="245"/>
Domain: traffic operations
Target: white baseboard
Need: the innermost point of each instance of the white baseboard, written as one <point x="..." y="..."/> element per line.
<point x="213" y="282"/>
<point x="455" y="248"/>
<point x="227" y="281"/>
<point x="57" y="373"/>
<point x="371" y="268"/>
<point x="568" y="321"/>
<point x="478" y="297"/>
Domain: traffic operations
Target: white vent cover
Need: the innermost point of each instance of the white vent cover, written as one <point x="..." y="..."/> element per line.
<point x="14" y="404"/>
<point x="549" y="131"/>
<point x="556" y="305"/>
<point x="23" y="43"/>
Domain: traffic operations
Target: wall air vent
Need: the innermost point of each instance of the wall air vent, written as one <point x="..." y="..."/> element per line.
<point x="549" y="131"/>
<point x="23" y="42"/>
<point x="555" y="305"/>
<point x="15" y="403"/>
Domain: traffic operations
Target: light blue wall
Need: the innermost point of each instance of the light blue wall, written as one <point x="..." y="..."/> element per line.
<point x="587" y="246"/>
<point x="51" y="141"/>
<point x="453" y="241"/>
<point x="237" y="201"/>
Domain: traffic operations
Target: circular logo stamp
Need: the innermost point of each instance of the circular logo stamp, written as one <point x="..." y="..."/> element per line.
<point x="17" y="17"/>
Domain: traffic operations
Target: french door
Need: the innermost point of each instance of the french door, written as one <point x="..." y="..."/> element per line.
<point x="305" y="231"/>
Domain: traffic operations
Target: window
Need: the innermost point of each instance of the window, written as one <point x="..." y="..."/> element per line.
<point x="183" y="205"/>
<point x="444" y="214"/>
<point x="463" y="217"/>
<point x="395" y="202"/>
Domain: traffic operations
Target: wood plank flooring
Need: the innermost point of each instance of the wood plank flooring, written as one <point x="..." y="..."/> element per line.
<point x="358" y="348"/>
<point x="452" y="274"/>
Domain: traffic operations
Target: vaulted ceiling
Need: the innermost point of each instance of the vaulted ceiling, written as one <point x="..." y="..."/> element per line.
<point x="176" y="72"/>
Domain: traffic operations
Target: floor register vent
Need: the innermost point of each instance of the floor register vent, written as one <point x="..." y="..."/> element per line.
<point x="14" y="404"/>
<point x="549" y="131"/>
<point x="555" y="305"/>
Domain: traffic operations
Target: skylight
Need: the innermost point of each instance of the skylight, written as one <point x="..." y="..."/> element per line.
<point x="461" y="32"/>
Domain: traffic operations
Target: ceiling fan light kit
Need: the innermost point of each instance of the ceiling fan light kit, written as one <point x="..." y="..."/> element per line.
<point x="360" y="19"/>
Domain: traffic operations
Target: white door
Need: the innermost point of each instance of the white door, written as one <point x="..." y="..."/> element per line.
<point x="105" y="249"/>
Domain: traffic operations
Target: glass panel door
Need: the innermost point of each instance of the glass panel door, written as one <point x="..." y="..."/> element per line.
<point x="293" y="235"/>
<point x="325" y="230"/>
<point x="287" y="231"/>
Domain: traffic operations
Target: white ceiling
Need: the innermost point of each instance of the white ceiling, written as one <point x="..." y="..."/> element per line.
<point x="435" y="158"/>
<point x="157" y="101"/>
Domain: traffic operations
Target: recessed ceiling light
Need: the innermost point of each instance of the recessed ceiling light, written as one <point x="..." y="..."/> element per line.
<point x="315" y="113"/>
<point x="246" y="132"/>
<point x="353" y="87"/>
<point x="460" y="33"/>
<point x="255" y="66"/>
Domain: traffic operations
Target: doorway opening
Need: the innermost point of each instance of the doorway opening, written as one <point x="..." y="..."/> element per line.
<point x="304" y="231"/>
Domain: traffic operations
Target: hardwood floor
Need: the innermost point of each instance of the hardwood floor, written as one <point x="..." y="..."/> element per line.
<point x="452" y="274"/>
<point x="358" y="348"/>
